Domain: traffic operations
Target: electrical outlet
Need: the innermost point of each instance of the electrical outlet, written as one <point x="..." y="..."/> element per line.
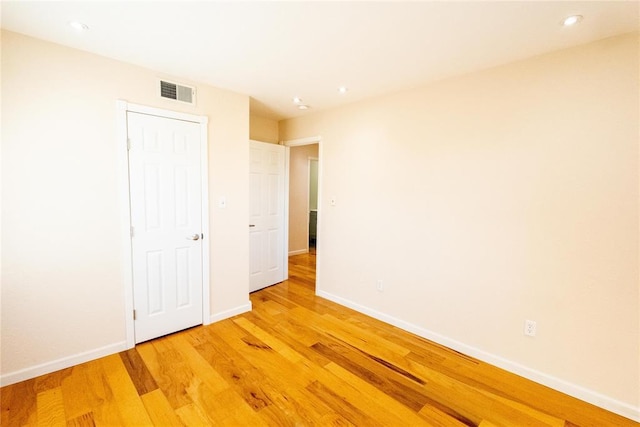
<point x="530" y="328"/>
<point x="379" y="285"/>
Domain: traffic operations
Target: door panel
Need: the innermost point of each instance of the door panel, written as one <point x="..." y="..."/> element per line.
<point x="266" y="215"/>
<point x="166" y="215"/>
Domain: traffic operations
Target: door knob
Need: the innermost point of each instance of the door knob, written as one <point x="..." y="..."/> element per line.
<point x="194" y="237"/>
<point x="251" y="225"/>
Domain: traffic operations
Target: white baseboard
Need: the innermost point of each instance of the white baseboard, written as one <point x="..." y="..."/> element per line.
<point x="590" y="396"/>
<point x="231" y="312"/>
<point x="65" y="362"/>
<point x="299" y="252"/>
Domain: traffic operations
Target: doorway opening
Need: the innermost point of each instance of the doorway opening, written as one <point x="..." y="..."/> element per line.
<point x="305" y="238"/>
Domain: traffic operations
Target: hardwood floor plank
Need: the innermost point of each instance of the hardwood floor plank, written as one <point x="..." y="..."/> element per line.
<point x="280" y="364"/>
<point x="19" y="405"/>
<point x="280" y="297"/>
<point x="545" y="419"/>
<point x="51" y="408"/>
<point x="273" y="308"/>
<point x="436" y="416"/>
<point x="159" y="409"/>
<point x="242" y="376"/>
<point x="53" y="380"/>
<point x="197" y="364"/>
<point x="335" y="420"/>
<point x="293" y="334"/>
<point x="350" y="361"/>
<point x="138" y="371"/>
<point x="270" y="395"/>
<point x="168" y="370"/>
<point x="372" y="400"/>
<point x="341" y="406"/>
<point x="296" y="407"/>
<point x="301" y="298"/>
<point x="284" y="326"/>
<point x="209" y="402"/>
<point x="192" y="416"/>
<point x="106" y="412"/>
<point x="414" y="343"/>
<point x="283" y="381"/>
<point x="284" y="350"/>
<point x="125" y="395"/>
<point x="83" y="390"/>
<point x="330" y="326"/>
<point x="84" y="420"/>
<point x="472" y="403"/>
<point x="238" y="412"/>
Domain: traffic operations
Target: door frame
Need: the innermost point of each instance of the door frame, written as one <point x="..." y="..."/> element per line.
<point x="308" y="141"/>
<point x="122" y="108"/>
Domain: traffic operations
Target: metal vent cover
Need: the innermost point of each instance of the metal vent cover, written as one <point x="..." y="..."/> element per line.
<point x="177" y="92"/>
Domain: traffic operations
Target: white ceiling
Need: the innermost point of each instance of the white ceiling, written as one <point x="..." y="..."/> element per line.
<point x="274" y="51"/>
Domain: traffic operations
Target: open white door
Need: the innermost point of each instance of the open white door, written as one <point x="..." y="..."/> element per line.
<point x="267" y="215"/>
<point x="166" y="217"/>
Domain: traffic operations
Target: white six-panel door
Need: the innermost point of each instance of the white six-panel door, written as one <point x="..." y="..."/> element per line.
<point x="166" y="217"/>
<point x="266" y="215"/>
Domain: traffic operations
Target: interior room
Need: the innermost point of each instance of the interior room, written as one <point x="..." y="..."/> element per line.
<point x="389" y="213"/>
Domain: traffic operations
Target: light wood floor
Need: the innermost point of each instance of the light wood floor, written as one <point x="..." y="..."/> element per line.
<point x="296" y="360"/>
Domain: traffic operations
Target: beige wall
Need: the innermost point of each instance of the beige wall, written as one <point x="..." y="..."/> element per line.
<point x="299" y="196"/>
<point x="62" y="254"/>
<point x="488" y="199"/>
<point x="263" y="129"/>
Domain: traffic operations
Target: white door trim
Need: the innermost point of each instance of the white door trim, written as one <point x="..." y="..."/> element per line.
<point x="308" y="141"/>
<point x="285" y="247"/>
<point x="122" y="107"/>
<point x="302" y="141"/>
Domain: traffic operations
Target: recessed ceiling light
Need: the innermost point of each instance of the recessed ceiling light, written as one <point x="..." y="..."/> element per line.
<point x="78" y="26"/>
<point x="303" y="107"/>
<point x="297" y="100"/>
<point x="571" y="20"/>
<point x="343" y="90"/>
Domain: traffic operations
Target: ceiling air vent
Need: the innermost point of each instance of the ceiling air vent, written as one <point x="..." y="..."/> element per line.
<point x="177" y="92"/>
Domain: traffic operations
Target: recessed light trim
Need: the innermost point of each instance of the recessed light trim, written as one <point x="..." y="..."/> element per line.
<point x="572" y="20"/>
<point x="303" y="107"/>
<point x="342" y="90"/>
<point x="78" y="26"/>
<point x="297" y="100"/>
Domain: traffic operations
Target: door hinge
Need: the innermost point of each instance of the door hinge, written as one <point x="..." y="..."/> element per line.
<point x="128" y="144"/>
<point x="134" y="315"/>
<point x="131" y="232"/>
